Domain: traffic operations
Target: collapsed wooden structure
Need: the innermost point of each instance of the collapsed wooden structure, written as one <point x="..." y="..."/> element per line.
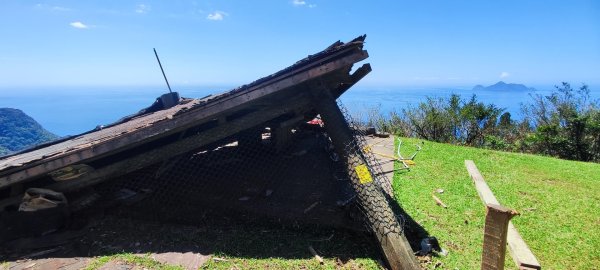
<point x="280" y="101"/>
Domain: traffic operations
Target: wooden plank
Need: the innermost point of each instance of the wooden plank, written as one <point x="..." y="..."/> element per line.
<point x="520" y="252"/>
<point x="484" y="191"/>
<point x="159" y="124"/>
<point x="494" y="236"/>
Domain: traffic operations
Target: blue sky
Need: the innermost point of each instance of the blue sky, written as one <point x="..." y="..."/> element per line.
<point x="221" y="42"/>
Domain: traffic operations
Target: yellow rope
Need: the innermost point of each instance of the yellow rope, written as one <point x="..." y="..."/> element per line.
<point x="368" y="149"/>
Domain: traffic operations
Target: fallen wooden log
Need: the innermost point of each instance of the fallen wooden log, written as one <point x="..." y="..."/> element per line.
<point x="314" y="253"/>
<point x="438" y="201"/>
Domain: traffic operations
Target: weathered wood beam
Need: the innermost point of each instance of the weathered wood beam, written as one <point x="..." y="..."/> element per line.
<point x="379" y="214"/>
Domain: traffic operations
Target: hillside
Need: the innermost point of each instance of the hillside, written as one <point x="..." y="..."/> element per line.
<point x="19" y="131"/>
<point x="504" y="87"/>
<point x="558" y="201"/>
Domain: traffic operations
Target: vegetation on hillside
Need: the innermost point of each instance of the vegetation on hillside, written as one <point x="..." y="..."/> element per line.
<point x="19" y="131"/>
<point x="567" y="124"/>
<point x="564" y="124"/>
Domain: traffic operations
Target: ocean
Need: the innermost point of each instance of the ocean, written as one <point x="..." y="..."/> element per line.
<point x="70" y="110"/>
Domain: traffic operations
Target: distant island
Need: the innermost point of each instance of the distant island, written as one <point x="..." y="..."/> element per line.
<point x="504" y="87"/>
<point x="19" y="131"/>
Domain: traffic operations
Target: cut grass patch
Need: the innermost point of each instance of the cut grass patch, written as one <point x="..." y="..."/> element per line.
<point x="559" y="202"/>
<point x="282" y="263"/>
<point x="133" y="260"/>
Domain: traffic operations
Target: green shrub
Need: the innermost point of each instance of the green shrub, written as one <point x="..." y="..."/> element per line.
<point x="567" y="124"/>
<point x="564" y="124"/>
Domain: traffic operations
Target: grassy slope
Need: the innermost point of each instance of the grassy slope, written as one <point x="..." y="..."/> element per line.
<point x="559" y="202"/>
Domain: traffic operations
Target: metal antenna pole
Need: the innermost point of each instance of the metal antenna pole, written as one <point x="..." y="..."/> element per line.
<point x="163" y="71"/>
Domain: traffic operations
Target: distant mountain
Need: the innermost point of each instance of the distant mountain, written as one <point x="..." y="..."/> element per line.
<point x="504" y="87"/>
<point x="19" y="131"/>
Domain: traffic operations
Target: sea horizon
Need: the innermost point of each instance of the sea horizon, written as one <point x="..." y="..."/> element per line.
<point x="72" y="110"/>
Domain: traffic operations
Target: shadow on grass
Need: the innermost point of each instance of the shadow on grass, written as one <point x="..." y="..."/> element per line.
<point x="414" y="231"/>
<point x="229" y="234"/>
<point x="237" y="237"/>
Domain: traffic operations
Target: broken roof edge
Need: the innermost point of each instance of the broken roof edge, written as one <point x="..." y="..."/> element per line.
<point x="337" y="46"/>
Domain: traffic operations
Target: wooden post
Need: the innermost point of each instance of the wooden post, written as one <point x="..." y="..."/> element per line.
<point x="494" y="236"/>
<point x="380" y="216"/>
<point x="519" y="251"/>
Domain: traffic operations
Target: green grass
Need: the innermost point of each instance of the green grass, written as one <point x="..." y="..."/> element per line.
<point x="222" y="261"/>
<point x="248" y="249"/>
<point x="281" y="263"/>
<point x="131" y="259"/>
<point x="559" y="202"/>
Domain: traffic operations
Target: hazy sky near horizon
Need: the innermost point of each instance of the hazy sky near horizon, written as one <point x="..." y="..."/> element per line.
<point x="224" y="42"/>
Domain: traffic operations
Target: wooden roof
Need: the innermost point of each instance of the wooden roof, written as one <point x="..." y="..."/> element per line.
<point x="149" y="138"/>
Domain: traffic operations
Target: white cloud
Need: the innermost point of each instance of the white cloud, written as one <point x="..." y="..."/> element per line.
<point x="504" y="74"/>
<point x="216" y="16"/>
<point x="58" y="8"/>
<point x="303" y="3"/>
<point x="52" y="8"/>
<point x="79" y="25"/>
<point x="141" y="8"/>
<point x="298" y="2"/>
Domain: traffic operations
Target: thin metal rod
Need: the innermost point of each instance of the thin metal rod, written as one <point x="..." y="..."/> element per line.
<point x="163" y="71"/>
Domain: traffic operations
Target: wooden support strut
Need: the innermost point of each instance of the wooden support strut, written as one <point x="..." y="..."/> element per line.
<point x="381" y="218"/>
<point x="494" y="236"/>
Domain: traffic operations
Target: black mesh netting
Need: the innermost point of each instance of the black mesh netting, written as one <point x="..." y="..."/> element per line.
<point x="288" y="174"/>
